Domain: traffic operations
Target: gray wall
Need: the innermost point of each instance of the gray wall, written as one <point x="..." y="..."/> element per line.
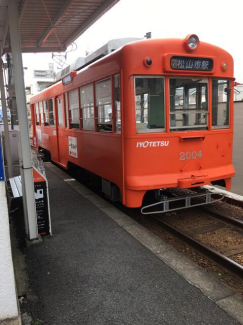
<point x="237" y="185"/>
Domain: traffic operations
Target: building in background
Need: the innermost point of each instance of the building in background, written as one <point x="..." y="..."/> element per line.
<point x="238" y="93"/>
<point x="1" y="115"/>
<point x="42" y="79"/>
<point x="38" y="80"/>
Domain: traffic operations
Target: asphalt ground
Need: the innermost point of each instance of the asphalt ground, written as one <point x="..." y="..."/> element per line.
<point x="93" y="271"/>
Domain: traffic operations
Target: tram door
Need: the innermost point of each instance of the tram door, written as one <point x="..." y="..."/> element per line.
<point x="61" y="139"/>
<point x="52" y="137"/>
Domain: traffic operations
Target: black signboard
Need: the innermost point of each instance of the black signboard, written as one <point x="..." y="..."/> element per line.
<point x="191" y="63"/>
<point x="41" y="202"/>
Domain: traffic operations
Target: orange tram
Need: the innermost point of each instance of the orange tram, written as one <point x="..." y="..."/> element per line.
<point x="152" y="115"/>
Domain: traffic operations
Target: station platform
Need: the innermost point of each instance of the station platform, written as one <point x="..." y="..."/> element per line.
<point x="101" y="267"/>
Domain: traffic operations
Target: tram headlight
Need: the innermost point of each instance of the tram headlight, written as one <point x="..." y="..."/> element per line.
<point x="148" y="62"/>
<point x="224" y="66"/>
<point x="192" y="42"/>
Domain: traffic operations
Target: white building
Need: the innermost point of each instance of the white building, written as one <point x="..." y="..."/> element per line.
<point x="238" y="93"/>
<point x="41" y="79"/>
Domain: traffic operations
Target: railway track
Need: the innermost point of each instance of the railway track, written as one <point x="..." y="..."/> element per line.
<point x="215" y="255"/>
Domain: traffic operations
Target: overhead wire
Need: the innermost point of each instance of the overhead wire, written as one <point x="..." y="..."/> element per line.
<point x="61" y="58"/>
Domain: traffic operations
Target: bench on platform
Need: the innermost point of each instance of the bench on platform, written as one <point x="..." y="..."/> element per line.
<point x="14" y="193"/>
<point x="16" y="187"/>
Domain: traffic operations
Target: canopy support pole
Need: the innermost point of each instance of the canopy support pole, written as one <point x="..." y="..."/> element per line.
<point x="5" y="121"/>
<point x="25" y="155"/>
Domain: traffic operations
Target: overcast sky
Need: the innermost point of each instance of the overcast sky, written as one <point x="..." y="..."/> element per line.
<point x="219" y="22"/>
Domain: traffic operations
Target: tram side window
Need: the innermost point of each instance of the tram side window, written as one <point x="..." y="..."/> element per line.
<point x="117" y="94"/>
<point x="51" y="112"/>
<point x="66" y="108"/>
<point x="87" y="106"/>
<point x="104" y="106"/>
<point x="149" y="102"/>
<point x="74" y="109"/>
<point x="41" y="113"/>
<point x="37" y="118"/>
<point x="46" y="113"/>
<point x="220" y="104"/>
<point x="188" y="104"/>
<point x="60" y="112"/>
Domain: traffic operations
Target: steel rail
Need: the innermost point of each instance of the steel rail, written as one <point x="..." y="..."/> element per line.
<point x="220" y="216"/>
<point x="214" y="255"/>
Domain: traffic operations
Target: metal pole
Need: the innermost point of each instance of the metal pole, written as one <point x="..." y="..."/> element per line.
<point x="5" y="120"/>
<point x="26" y="165"/>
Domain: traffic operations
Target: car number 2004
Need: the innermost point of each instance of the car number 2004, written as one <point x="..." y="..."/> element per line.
<point x="190" y="155"/>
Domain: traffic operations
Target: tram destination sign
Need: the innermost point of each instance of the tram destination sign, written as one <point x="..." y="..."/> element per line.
<point x="67" y="80"/>
<point x="191" y="63"/>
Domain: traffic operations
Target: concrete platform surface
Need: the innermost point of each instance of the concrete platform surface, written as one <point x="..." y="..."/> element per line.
<point x="92" y="271"/>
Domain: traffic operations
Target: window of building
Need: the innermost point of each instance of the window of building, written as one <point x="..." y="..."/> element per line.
<point x="74" y="109"/>
<point x="87" y="106"/>
<point x="220" y="103"/>
<point x="46" y="113"/>
<point x="60" y="111"/>
<point x="104" y="106"/>
<point x="51" y="112"/>
<point x="188" y="104"/>
<point x="149" y="101"/>
<point x="117" y="95"/>
<point x="41" y="113"/>
<point x="43" y="85"/>
<point x="37" y="118"/>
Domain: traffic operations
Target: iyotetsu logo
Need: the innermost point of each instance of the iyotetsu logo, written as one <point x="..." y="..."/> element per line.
<point x="150" y="144"/>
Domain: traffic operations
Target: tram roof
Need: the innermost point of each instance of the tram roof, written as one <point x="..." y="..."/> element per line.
<point x="51" y="25"/>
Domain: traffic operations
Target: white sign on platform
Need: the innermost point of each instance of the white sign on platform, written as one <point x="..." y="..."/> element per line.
<point x="73" y="147"/>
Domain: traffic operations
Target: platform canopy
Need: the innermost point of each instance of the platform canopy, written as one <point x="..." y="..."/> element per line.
<point x="37" y="26"/>
<point x="50" y="25"/>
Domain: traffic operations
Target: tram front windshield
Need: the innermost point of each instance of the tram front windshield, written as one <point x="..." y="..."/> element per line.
<point x="188" y="104"/>
<point x="149" y="102"/>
